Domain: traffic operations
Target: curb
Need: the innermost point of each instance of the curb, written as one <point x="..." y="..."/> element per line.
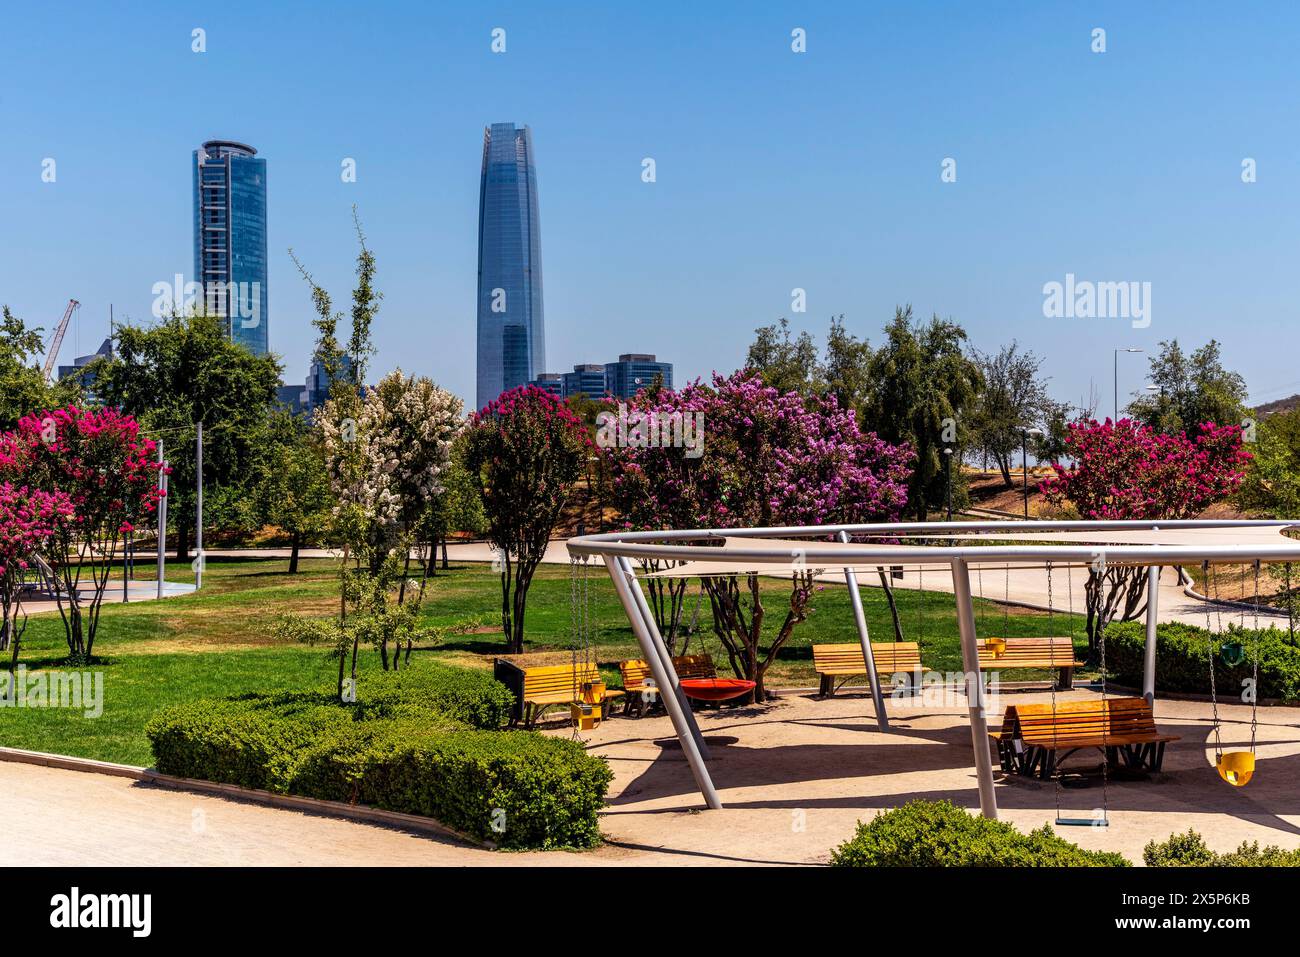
<point x="356" y="812"/>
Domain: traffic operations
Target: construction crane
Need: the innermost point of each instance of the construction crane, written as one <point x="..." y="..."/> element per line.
<point x="52" y="356"/>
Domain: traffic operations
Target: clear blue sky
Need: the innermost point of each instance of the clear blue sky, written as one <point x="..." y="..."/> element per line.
<point x="775" y="170"/>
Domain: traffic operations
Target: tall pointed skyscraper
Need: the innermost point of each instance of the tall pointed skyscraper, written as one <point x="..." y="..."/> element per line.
<point x="511" y="330"/>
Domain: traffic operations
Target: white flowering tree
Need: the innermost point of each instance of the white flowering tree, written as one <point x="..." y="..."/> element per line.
<point x="387" y="454"/>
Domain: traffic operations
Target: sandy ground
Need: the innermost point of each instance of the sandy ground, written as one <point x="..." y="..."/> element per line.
<point x="794" y="778"/>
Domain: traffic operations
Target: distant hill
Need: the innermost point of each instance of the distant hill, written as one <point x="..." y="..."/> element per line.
<point x="1278" y="405"/>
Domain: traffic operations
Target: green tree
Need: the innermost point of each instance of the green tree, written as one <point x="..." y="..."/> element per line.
<point x="22" y="382"/>
<point x="923" y="386"/>
<point x="1014" y="399"/>
<point x="1190" y="391"/>
<point x="292" y="486"/>
<point x="784" y="363"/>
<point x="1272" y="483"/>
<point x="182" y="371"/>
<point x="847" y="367"/>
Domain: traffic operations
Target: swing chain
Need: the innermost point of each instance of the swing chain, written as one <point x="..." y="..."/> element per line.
<point x="1209" y="644"/>
<point x="1254" y="669"/>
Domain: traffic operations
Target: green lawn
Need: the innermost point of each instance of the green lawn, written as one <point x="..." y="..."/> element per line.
<point x="217" y="642"/>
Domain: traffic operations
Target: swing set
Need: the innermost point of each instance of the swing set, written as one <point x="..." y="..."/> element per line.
<point x="957" y="547"/>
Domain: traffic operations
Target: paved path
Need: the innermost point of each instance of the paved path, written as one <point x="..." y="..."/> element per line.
<point x="795" y="777"/>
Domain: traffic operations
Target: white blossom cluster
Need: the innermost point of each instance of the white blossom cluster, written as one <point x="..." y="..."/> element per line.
<point x="389" y="461"/>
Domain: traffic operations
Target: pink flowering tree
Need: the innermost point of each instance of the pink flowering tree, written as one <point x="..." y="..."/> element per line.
<point x="525" y="451"/>
<point x="767" y="458"/>
<point x="1126" y="470"/>
<point x="99" y="462"/>
<point x="27" y="520"/>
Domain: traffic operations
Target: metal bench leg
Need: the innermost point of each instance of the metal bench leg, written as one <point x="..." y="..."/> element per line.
<point x="1064" y="679"/>
<point x="827" y="688"/>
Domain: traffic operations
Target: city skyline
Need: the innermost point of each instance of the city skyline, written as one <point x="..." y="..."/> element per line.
<point x="774" y="171"/>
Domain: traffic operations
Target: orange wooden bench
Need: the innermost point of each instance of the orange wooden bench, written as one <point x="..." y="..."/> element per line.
<point x="1052" y="654"/>
<point x="844" y="660"/>
<point x="638" y="679"/>
<point x="1034" y="738"/>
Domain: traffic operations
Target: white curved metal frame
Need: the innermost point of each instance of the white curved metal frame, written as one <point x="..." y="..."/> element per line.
<point x="618" y="550"/>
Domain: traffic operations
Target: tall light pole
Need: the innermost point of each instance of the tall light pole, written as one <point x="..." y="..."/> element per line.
<point x="1116" y="380"/>
<point x="947" y="458"/>
<point x="1024" y="462"/>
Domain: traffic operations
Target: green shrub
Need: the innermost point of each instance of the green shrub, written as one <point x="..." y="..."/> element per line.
<point x="1182" y="659"/>
<point x="940" y="834"/>
<point x="474" y="697"/>
<point x="406" y="745"/>
<point x="1190" y="850"/>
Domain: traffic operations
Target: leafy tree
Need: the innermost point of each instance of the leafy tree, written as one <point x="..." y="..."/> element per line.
<point x="292" y="486"/>
<point x="1127" y="470"/>
<point x="847" y="367"/>
<point x="1051" y="445"/>
<point x="22" y="382"/>
<point x="785" y="364"/>
<point x="178" y="373"/>
<point x="1014" y="399"/>
<point x="1190" y="391"/>
<point x="922" y="387"/>
<point x="525" y="449"/>
<point x="770" y="458"/>
<point x="1272" y="483"/>
<point x="100" y="462"/>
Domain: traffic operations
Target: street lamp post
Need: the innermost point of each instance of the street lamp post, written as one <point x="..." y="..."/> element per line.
<point x="947" y="460"/>
<point x="1116" y="378"/>
<point x="1024" y="462"/>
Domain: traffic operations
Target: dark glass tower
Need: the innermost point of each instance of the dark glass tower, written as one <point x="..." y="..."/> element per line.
<point x="511" y="333"/>
<point x="230" y="238"/>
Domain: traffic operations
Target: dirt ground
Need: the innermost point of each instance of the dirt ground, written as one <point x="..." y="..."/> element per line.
<point x="794" y="777"/>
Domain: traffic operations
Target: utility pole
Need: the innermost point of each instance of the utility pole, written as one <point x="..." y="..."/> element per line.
<point x="198" y="528"/>
<point x="947" y="458"/>
<point x="162" y="519"/>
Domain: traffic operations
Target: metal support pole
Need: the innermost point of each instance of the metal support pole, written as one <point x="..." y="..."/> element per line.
<point x="648" y="618"/>
<point x="162" y="520"/>
<point x="198" y="525"/>
<point x="701" y="774"/>
<point x="1149" y="663"/>
<point x="979" y="729"/>
<point x="860" y="619"/>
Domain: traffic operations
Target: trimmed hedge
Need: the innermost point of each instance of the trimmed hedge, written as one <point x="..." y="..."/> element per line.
<point x="940" y="834"/>
<point x="1190" y="850"/>
<point x="1182" y="663"/>
<point x="405" y="746"/>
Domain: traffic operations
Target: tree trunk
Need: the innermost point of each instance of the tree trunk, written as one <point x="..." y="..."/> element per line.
<point x="295" y="541"/>
<point x="893" y="605"/>
<point x="182" y="540"/>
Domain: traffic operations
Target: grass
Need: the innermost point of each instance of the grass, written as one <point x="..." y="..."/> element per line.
<point x="218" y="641"/>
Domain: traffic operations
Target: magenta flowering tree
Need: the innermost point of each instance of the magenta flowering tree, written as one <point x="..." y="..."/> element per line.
<point x="27" y="520"/>
<point x="1126" y="470"/>
<point x="98" y="460"/>
<point x="525" y="450"/>
<point x="768" y="458"/>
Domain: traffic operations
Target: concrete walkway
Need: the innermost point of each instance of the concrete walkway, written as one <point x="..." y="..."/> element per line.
<point x="136" y="591"/>
<point x="795" y="778"/>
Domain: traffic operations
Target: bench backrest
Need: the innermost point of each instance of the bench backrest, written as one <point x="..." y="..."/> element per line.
<point x="890" y="656"/>
<point x="637" y="673"/>
<point x="557" y="679"/>
<point x="1114" y="717"/>
<point x="1055" y="652"/>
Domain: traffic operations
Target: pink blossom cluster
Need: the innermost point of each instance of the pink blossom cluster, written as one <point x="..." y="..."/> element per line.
<point x="27" y="520"/>
<point x="770" y="458"/>
<point x="1126" y="470"/>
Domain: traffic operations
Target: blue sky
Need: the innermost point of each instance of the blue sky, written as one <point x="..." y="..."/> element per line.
<point x="775" y="170"/>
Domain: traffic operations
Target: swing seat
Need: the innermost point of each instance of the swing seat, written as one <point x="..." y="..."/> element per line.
<point x="998" y="646"/>
<point x="716" y="689"/>
<point x="1236" y="767"/>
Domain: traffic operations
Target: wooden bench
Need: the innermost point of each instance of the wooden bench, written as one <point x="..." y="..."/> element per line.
<point x="553" y="685"/>
<point x="844" y="660"/>
<point x="638" y="679"/>
<point x="1052" y="654"/>
<point x="1034" y="738"/>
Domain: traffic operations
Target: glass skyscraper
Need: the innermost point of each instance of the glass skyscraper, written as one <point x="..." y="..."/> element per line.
<point x="511" y="333"/>
<point x="230" y="238"/>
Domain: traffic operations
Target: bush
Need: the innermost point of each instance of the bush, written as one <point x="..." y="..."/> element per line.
<point x="940" y="834"/>
<point x="1190" y="850"/>
<point x="407" y="745"/>
<point x="1182" y="659"/>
